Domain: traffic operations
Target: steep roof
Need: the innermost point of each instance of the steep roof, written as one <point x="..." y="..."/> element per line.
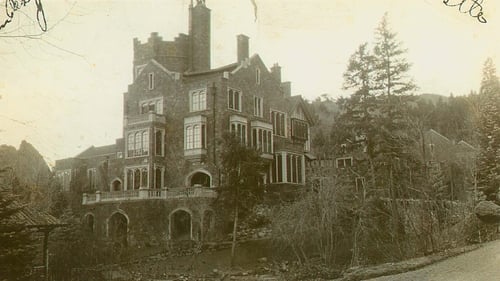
<point x="229" y="68"/>
<point x="296" y="101"/>
<point x="98" y="151"/>
<point x="31" y="218"/>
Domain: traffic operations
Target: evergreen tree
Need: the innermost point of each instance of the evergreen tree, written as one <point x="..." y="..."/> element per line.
<point x="394" y="89"/>
<point x="377" y="113"/>
<point x="489" y="132"/>
<point x="242" y="186"/>
<point x="16" y="243"/>
<point x="391" y="66"/>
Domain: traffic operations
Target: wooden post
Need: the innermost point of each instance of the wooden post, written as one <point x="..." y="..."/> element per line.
<point x="46" y="252"/>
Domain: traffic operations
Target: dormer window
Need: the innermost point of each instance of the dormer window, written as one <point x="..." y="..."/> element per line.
<point x="151" y="81"/>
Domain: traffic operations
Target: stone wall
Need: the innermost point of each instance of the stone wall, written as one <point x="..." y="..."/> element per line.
<point x="149" y="222"/>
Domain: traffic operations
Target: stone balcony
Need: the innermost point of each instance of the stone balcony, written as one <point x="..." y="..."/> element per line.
<point x="147" y="194"/>
<point x="147" y="117"/>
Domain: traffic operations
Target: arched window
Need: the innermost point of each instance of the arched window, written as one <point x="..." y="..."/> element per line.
<point x="130" y="145"/>
<point x="130" y="179"/>
<point x="145" y="142"/>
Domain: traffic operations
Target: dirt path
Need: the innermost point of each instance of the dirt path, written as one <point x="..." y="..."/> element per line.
<point x="482" y="264"/>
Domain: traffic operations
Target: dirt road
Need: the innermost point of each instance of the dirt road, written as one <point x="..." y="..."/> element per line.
<point x="482" y="264"/>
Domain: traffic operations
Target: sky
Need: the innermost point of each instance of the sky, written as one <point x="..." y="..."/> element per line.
<point x="61" y="90"/>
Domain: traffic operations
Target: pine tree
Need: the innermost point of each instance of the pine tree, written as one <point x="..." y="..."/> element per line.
<point x="378" y="110"/>
<point x="16" y="243"/>
<point x="489" y="132"/>
<point x="394" y="90"/>
<point x="391" y="66"/>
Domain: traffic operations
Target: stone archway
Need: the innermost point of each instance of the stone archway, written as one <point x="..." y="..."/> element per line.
<point x="200" y="179"/>
<point x="116" y="185"/>
<point x="89" y="223"/>
<point x="181" y="225"/>
<point x="118" y="229"/>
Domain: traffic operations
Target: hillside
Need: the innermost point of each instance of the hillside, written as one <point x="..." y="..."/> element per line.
<point x="27" y="164"/>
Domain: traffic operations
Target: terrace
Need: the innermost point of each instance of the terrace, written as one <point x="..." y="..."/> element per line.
<point x="147" y="194"/>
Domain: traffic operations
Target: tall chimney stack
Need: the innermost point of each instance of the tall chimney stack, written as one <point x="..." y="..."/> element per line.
<point x="199" y="33"/>
<point x="276" y="72"/>
<point x="243" y="48"/>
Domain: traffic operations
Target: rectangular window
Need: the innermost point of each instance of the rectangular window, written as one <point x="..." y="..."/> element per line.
<point x="159" y="142"/>
<point x="344" y="162"/>
<point x="280" y="167"/>
<point x="151" y="81"/>
<point x="239" y="130"/>
<point x="198" y="100"/>
<point x="158" y="177"/>
<point x="65" y="179"/>
<point x="258" y="107"/>
<point x="262" y="140"/>
<point x="195" y="136"/>
<point x="234" y="99"/>
<point x="257" y="76"/>
<point x="299" y="129"/>
<point x="91" y="177"/>
<point x="278" y="120"/>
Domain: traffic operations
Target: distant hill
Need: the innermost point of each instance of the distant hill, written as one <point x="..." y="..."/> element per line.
<point x="27" y="164"/>
<point x="434" y="98"/>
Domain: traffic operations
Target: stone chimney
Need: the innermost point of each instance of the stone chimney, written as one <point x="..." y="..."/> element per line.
<point x="286" y="87"/>
<point x="199" y="33"/>
<point x="276" y="72"/>
<point x="243" y="47"/>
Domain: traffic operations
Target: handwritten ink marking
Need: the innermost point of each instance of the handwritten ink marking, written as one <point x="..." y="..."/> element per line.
<point x="11" y="6"/>
<point x="473" y="6"/>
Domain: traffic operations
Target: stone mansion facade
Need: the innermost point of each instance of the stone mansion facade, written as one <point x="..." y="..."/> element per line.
<point x="166" y="166"/>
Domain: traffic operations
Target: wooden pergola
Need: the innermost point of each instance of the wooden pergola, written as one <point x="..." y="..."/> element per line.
<point x="40" y="222"/>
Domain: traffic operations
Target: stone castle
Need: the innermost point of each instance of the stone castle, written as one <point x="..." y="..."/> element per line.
<point x="157" y="181"/>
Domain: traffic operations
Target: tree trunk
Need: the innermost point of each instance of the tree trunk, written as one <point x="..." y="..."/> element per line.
<point x="235" y="227"/>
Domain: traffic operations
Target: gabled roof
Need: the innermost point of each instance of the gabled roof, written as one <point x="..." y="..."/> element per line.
<point x="431" y="131"/>
<point x="172" y="74"/>
<point x="98" y="151"/>
<point x="229" y="68"/>
<point x="466" y="145"/>
<point x="247" y="62"/>
<point x="298" y="101"/>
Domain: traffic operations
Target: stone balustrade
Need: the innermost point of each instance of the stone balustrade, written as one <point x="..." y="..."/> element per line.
<point x="147" y="194"/>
